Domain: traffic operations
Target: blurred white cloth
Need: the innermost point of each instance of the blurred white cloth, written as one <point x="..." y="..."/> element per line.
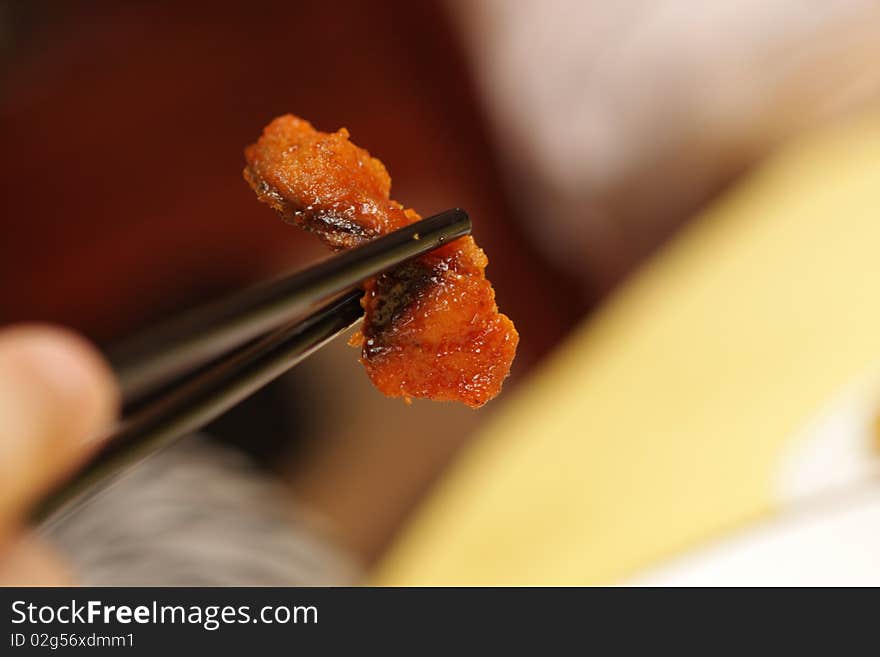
<point x="830" y="544"/>
<point x="617" y="120"/>
<point x="828" y="533"/>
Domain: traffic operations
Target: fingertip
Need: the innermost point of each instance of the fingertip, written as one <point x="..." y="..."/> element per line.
<point x="56" y="396"/>
<point x="60" y="369"/>
<point x="28" y="561"/>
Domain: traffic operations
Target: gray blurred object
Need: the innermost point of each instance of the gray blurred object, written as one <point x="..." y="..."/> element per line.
<point x="619" y="120"/>
<point x="199" y="514"/>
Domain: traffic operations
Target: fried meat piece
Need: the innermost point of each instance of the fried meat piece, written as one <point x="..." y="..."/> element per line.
<point x="431" y="326"/>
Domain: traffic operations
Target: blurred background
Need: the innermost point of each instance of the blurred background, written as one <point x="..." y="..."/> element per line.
<point x="582" y="137"/>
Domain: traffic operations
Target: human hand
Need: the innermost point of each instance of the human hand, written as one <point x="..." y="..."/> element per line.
<point x="56" y="395"/>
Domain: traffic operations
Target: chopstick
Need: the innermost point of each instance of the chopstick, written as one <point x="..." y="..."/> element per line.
<point x="201" y="400"/>
<point x="143" y="364"/>
<point x="237" y="319"/>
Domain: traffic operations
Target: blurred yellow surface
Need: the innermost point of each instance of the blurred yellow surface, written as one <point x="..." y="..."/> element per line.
<point x="663" y="421"/>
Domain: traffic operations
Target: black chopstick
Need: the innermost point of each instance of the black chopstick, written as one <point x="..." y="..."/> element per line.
<point x="201" y="400"/>
<point x="148" y="361"/>
<point x="246" y="368"/>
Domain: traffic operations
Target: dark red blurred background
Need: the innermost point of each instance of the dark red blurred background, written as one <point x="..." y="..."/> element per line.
<point x="124" y="124"/>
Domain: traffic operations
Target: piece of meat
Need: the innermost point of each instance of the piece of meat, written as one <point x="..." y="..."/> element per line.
<point x="431" y="326"/>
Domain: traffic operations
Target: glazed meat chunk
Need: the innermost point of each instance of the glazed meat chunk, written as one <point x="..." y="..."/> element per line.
<point x="431" y="326"/>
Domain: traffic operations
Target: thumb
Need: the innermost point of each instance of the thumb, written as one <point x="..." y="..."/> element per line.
<point x="56" y="393"/>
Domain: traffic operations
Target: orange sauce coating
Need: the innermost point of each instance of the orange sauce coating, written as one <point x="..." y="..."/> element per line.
<point x="431" y="326"/>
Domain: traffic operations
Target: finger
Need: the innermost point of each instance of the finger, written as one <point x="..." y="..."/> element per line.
<point x="56" y="394"/>
<point x="28" y="561"/>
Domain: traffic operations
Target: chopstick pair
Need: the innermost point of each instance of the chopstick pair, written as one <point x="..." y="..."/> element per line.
<point x="241" y="343"/>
